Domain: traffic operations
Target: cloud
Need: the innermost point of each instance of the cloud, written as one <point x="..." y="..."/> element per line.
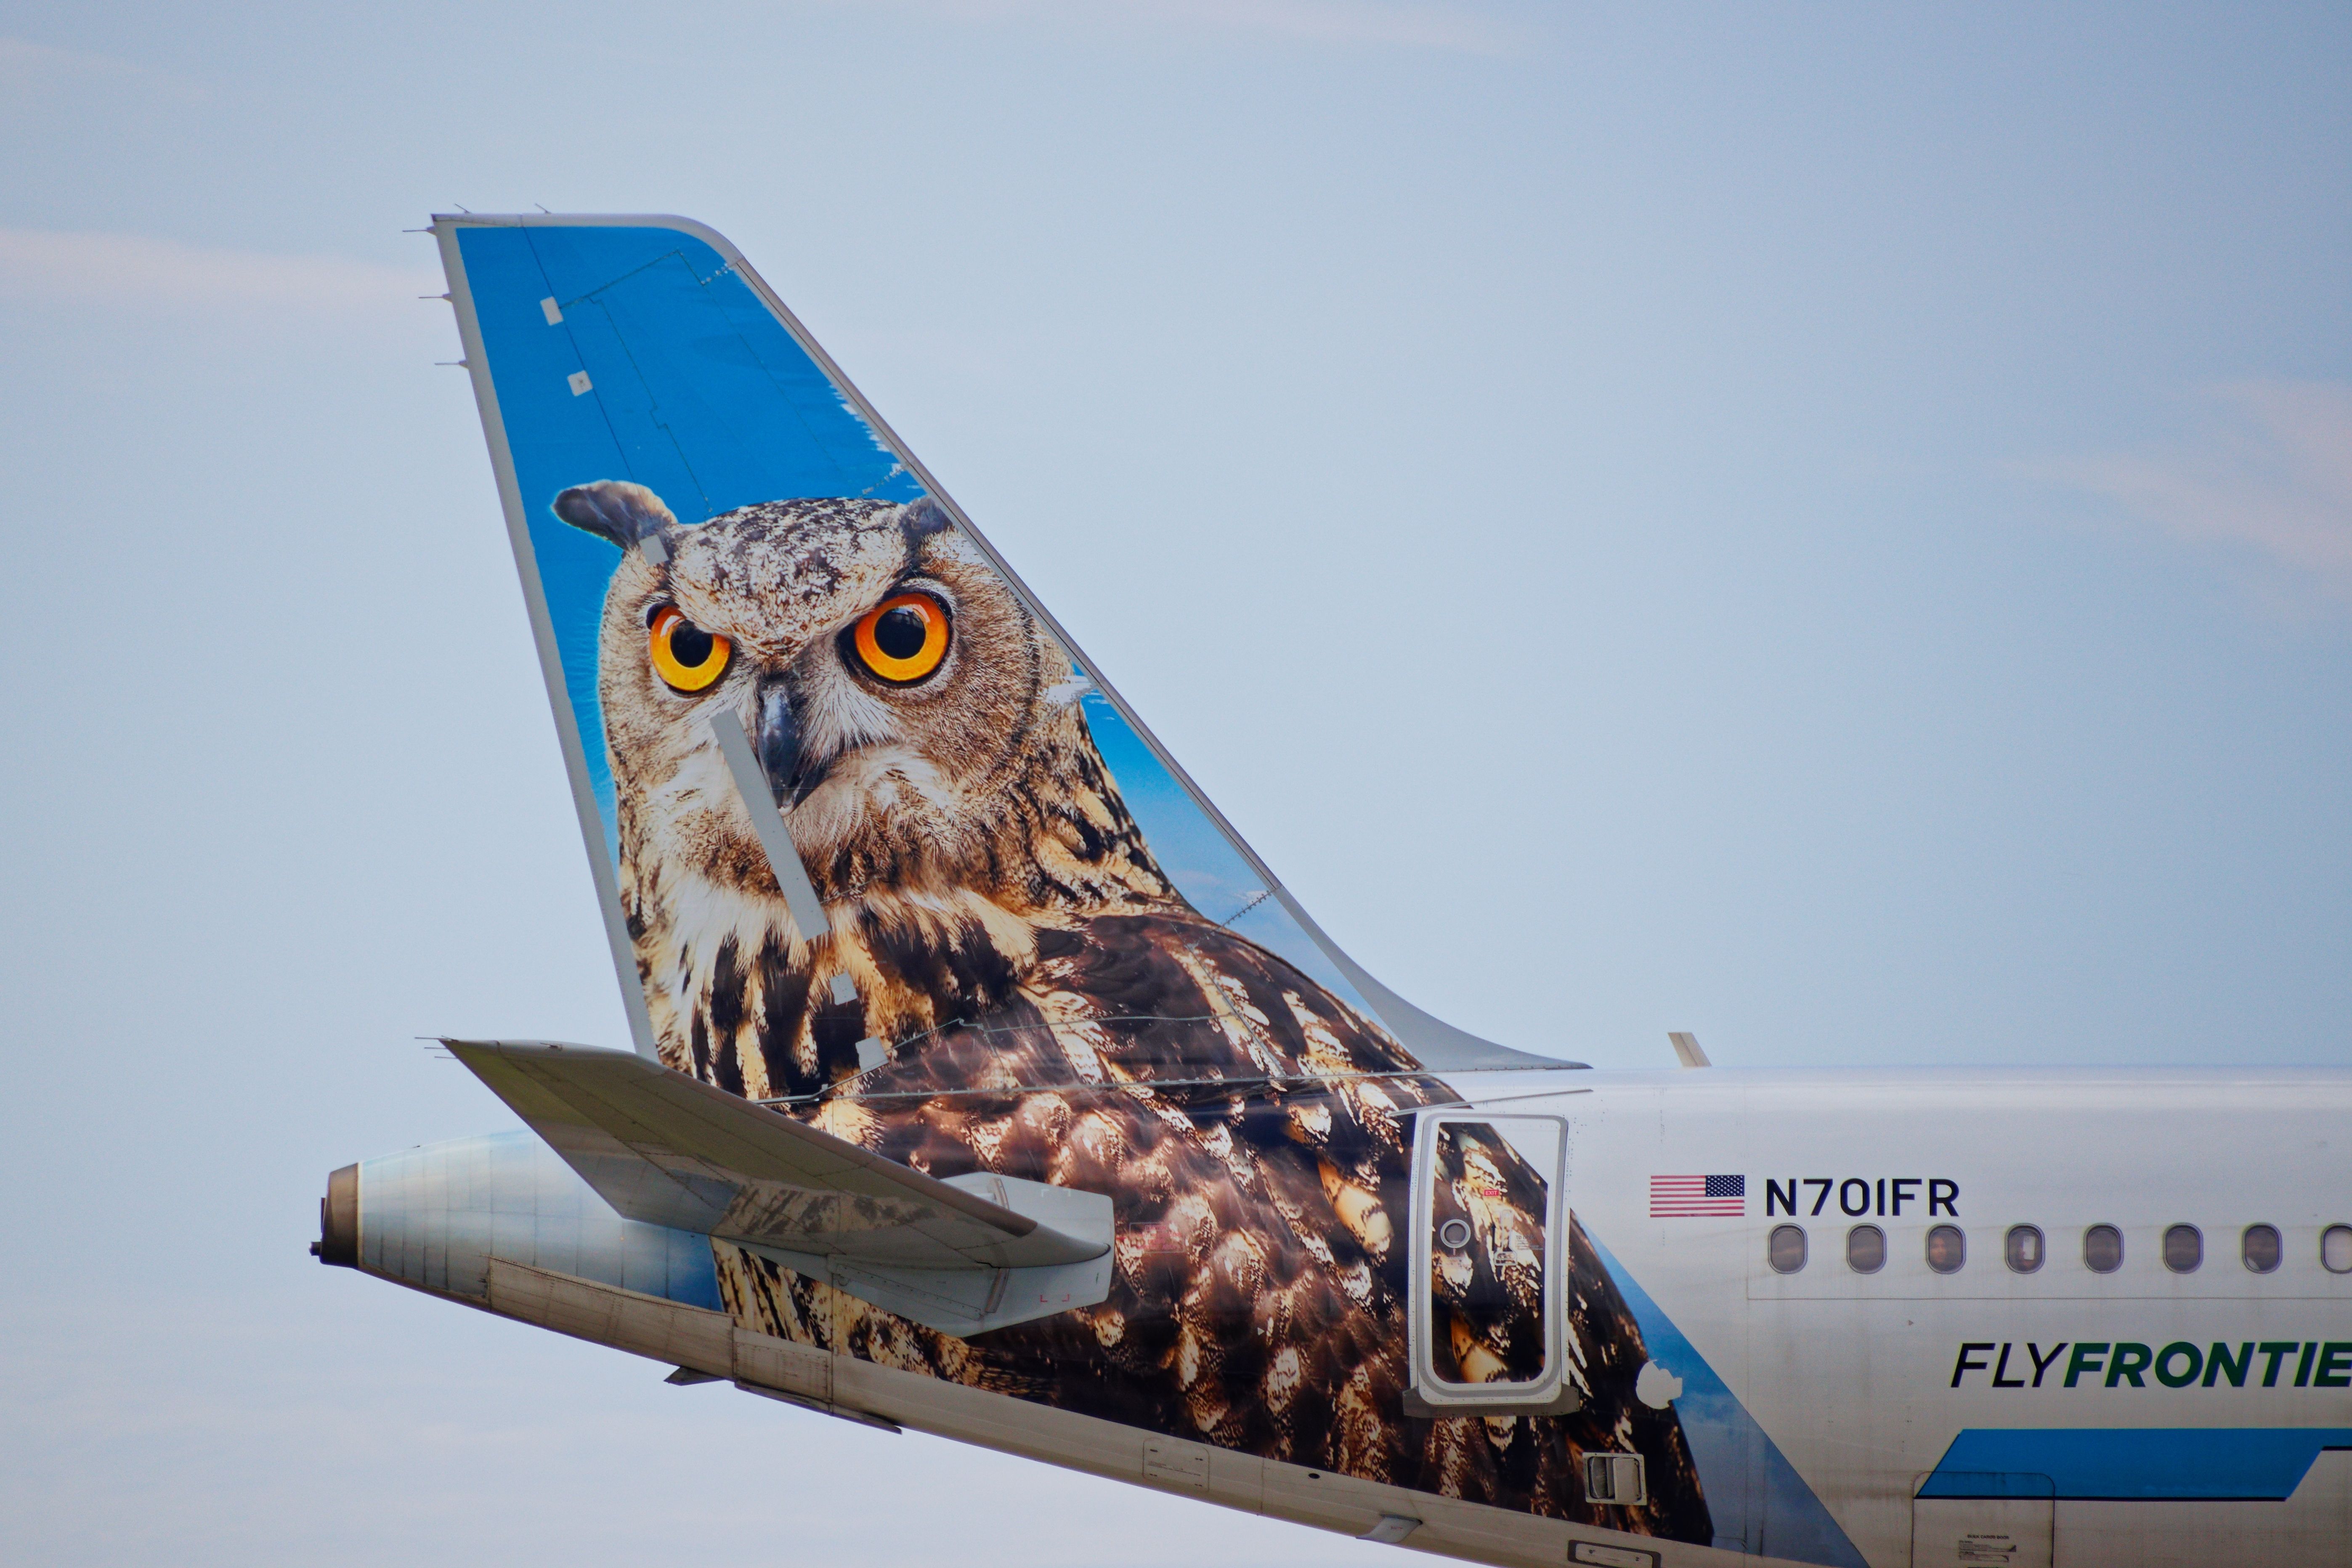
<point x="138" y="271"/>
<point x="1394" y="23"/>
<point x="31" y="71"/>
<point x="2272" y="473"/>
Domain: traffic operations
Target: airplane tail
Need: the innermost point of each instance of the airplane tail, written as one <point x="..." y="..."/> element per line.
<point x="1091" y="1145"/>
<point x="844" y="780"/>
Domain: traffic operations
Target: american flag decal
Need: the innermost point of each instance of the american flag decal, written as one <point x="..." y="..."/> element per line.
<point x="1676" y="1197"/>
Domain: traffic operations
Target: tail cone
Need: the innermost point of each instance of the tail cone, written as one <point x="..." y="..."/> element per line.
<point x="338" y="1220"/>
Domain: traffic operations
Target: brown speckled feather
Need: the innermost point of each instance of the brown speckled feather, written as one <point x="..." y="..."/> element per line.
<point x="1258" y="1298"/>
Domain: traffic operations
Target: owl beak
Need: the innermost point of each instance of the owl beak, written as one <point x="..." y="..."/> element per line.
<point x="778" y="735"/>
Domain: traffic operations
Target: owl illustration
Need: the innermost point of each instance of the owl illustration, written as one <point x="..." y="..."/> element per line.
<point x="1040" y="1001"/>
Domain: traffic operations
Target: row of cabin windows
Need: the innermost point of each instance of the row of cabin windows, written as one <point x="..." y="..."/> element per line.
<point x="2023" y="1249"/>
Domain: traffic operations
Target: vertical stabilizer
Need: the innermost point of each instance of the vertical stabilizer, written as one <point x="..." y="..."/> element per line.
<point x="661" y="427"/>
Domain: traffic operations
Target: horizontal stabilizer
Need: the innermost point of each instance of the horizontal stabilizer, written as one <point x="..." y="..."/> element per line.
<point x="669" y="1150"/>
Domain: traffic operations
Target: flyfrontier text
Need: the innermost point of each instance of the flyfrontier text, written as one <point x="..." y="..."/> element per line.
<point x="2126" y="1363"/>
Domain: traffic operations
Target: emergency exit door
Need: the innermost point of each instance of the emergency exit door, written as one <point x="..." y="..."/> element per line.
<point x="1489" y="1266"/>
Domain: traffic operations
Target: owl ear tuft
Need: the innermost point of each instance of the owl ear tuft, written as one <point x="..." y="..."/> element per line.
<point x="616" y="509"/>
<point x="923" y="516"/>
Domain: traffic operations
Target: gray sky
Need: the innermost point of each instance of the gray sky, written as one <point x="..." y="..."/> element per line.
<point x="1827" y="527"/>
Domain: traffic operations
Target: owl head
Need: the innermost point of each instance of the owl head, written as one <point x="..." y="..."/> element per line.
<point x="920" y="731"/>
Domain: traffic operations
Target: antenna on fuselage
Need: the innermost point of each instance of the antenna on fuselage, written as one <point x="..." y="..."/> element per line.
<point x="1687" y="1047"/>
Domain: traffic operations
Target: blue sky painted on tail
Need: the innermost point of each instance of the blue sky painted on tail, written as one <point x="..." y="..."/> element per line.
<point x="1759" y="1502"/>
<point x="698" y="393"/>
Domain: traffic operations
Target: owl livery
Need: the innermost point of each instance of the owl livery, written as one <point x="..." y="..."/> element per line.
<point x="1002" y="926"/>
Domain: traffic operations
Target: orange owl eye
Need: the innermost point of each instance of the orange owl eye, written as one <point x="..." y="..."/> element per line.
<point x="903" y="638"/>
<point x="683" y="655"/>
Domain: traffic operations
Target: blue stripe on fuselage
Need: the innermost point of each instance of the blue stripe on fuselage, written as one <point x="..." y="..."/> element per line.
<point x="2132" y="1463"/>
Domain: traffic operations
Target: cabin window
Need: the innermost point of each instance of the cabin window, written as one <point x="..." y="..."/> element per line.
<point x="2259" y="1248"/>
<point x="1489" y="1262"/>
<point x="1620" y="1479"/>
<point x="1785" y="1250"/>
<point x="1866" y="1250"/>
<point x="1948" y="1248"/>
<point x="2021" y="1250"/>
<point x="2102" y="1249"/>
<point x="2184" y="1249"/>
<point x="2335" y="1249"/>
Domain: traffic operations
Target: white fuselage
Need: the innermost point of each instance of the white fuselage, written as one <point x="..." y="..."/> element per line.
<point x="1865" y="1380"/>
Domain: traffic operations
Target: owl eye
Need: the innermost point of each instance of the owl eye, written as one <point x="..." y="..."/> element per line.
<point x="683" y="655"/>
<point x="902" y="639"/>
